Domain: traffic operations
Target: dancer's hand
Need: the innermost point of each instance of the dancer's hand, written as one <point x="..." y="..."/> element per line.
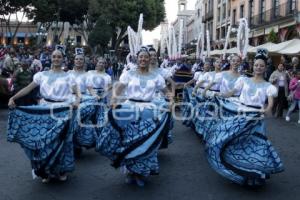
<point x="267" y="112"/>
<point x="194" y="93"/>
<point x="11" y="103"/>
<point x="76" y="103"/>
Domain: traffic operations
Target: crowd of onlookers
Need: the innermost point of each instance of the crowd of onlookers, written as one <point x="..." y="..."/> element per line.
<point x="17" y="67"/>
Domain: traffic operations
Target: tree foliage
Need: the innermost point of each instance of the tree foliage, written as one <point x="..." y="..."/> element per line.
<point x="72" y="11"/>
<point x="102" y="20"/>
<point x="272" y="37"/>
<point x="119" y="14"/>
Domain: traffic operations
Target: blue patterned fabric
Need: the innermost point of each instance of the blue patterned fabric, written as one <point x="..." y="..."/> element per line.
<point x="237" y="146"/>
<point x="132" y="137"/>
<point x="187" y="111"/>
<point x="46" y="135"/>
<point x="91" y="117"/>
<point x="205" y="115"/>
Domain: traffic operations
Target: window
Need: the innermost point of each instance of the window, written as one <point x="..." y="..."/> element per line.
<point x="224" y="11"/>
<point x="251" y="11"/>
<point x="234" y="17"/>
<point x="292" y="5"/>
<point x="262" y="10"/>
<point x="262" y="6"/>
<point x="242" y="11"/>
<point x="276" y="8"/>
<point x="251" y="8"/>
<point x="218" y="16"/>
<point x="78" y="39"/>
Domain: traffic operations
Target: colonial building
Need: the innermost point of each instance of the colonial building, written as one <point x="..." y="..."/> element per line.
<point x="65" y="33"/>
<point x="17" y="34"/>
<point x="184" y="15"/>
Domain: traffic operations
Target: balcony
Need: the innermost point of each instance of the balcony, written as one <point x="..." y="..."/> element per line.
<point x="281" y="12"/>
<point x="208" y="16"/>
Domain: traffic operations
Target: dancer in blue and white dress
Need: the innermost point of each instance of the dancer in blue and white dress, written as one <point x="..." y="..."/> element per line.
<point x="154" y="68"/>
<point x="230" y="77"/>
<point x="220" y="83"/>
<point x="79" y="73"/>
<point x="188" y="95"/>
<point x="237" y="146"/>
<point x="98" y="81"/>
<point x="45" y="131"/>
<point x="136" y="127"/>
<point x="90" y="114"/>
<point x="214" y="79"/>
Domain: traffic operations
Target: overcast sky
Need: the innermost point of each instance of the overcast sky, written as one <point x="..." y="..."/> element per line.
<point x="171" y="12"/>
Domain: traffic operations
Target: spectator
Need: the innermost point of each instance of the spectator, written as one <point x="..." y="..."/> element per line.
<point x="295" y="91"/>
<point x="295" y="64"/>
<point x="21" y="78"/>
<point x="270" y="69"/>
<point x="280" y="79"/>
<point x="36" y="65"/>
<point x="10" y="63"/>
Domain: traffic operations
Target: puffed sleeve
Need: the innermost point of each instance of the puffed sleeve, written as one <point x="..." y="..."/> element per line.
<point x="196" y="75"/>
<point x="124" y="78"/>
<point x="108" y="81"/>
<point x="71" y="80"/>
<point x="165" y="73"/>
<point x="272" y="91"/>
<point x="160" y="83"/>
<point x="37" y="78"/>
<point x="203" y="77"/>
<point x="89" y="80"/>
<point x="218" y="78"/>
<point x="239" y="84"/>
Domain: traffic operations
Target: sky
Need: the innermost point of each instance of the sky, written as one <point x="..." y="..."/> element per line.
<point x="171" y="13"/>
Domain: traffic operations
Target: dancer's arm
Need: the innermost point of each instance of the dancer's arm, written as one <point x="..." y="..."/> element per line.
<point x="21" y="93"/>
<point x="116" y="92"/>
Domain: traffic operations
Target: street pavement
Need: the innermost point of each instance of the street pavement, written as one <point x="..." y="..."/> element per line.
<point x="184" y="172"/>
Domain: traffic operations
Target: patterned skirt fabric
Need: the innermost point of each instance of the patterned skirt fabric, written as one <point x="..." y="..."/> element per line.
<point x="90" y="118"/>
<point x="46" y="135"/>
<point x="237" y="147"/>
<point x="133" y="135"/>
<point x="187" y="107"/>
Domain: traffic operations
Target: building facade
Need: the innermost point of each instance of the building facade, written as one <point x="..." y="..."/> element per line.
<point x="17" y="34"/>
<point x="281" y="17"/>
<point x="185" y="16"/>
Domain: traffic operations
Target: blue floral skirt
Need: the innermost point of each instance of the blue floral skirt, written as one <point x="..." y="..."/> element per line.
<point x="237" y="147"/>
<point x="46" y="135"/>
<point x="133" y="135"/>
<point x="90" y="118"/>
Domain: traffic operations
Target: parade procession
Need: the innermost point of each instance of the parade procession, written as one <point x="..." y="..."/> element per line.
<point x="150" y="99"/>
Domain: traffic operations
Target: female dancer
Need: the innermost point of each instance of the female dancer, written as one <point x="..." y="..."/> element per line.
<point x="237" y="147"/>
<point x="90" y="113"/>
<point x="154" y="68"/>
<point x="98" y="81"/>
<point x="45" y="131"/>
<point x="136" y="128"/>
<point x="214" y="79"/>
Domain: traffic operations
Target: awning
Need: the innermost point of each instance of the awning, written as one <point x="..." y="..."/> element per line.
<point x="269" y="46"/>
<point x="292" y="48"/>
<point x="20" y="34"/>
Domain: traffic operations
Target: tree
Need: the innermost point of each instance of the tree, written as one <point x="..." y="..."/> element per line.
<point x="100" y="36"/>
<point x="272" y="37"/>
<point x="49" y="11"/>
<point x="119" y="14"/>
<point x="10" y="8"/>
